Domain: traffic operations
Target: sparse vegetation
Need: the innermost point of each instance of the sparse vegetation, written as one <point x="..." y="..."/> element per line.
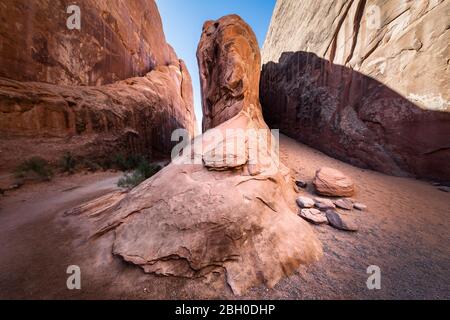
<point x="128" y="162"/>
<point x="91" y="165"/>
<point x="142" y="172"/>
<point x="34" y="168"/>
<point x="137" y="168"/>
<point x="68" y="163"/>
<point x="80" y="126"/>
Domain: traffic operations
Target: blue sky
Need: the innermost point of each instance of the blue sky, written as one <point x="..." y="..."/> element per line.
<point x="183" y="21"/>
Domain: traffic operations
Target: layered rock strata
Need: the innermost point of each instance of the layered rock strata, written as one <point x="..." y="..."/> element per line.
<point x="112" y="88"/>
<point x="116" y="40"/>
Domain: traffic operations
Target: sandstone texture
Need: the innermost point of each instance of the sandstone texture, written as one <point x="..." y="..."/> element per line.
<point x="324" y="204"/>
<point x="227" y="215"/>
<point x="364" y="81"/>
<point x="115" y="87"/>
<point x="344" y="204"/>
<point x="224" y="95"/>
<point x="134" y="116"/>
<point x="117" y="40"/>
<point x="341" y="222"/>
<point x="305" y="202"/>
<point x="360" y="206"/>
<point x="333" y="183"/>
<point x="314" y="216"/>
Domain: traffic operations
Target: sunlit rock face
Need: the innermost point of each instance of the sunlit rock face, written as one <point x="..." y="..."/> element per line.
<point x="365" y="81"/>
<point x="230" y="62"/>
<point x="117" y="40"/>
<point x="113" y="87"/>
<point x="229" y="214"/>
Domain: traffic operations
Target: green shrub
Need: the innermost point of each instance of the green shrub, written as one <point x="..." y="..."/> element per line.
<point x="126" y="163"/>
<point x="142" y="172"/>
<point x="35" y="167"/>
<point x="91" y="165"/>
<point x="147" y="169"/>
<point x="80" y="126"/>
<point x="68" y="163"/>
<point x="105" y="164"/>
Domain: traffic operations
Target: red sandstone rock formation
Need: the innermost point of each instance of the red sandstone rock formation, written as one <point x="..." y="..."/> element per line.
<point x="364" y="81"/>
<point x="333" y="183"/>
<point x="118" y="40"/>
<point x="225" y="94"/>
<point x="222" y="215"/>
<point x="134" y="116"/>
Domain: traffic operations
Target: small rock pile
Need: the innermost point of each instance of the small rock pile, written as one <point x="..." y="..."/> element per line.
<point x="444" y="189"/>
<point x="318" y="210"/>
<point x="441" y="187"/>
<point x="333" y="183"/>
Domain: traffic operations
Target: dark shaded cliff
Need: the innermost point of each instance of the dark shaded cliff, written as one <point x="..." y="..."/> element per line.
<point x="115" y="86"/>
<point x="363" y="81"/>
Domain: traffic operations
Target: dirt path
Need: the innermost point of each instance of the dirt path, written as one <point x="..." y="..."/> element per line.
<point x="34" y="247"/>
<point x="405" y="232"/>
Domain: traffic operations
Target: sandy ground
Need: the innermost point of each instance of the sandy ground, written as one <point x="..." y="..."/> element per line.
<point x="405" y="232"/>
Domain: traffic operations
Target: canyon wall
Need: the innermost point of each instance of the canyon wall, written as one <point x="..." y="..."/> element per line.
<point x="366" y="81"/>
<point x="117" y="40"/>
<point x="115" y="86"/>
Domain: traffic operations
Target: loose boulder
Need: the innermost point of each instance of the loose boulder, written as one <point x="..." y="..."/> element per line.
<point x="344" y="204"/>
<point x="340" y="222"/>
<point x="301" y="184"/>
<point x="314" y="216"/>
<point x="324" y="204"/>
<point x="333" y="183"/>
<point x="305" y="202"/>
<point x="360" y="206"/>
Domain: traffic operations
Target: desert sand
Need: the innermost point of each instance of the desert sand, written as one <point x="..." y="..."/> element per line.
<point x="404" y="232"/>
